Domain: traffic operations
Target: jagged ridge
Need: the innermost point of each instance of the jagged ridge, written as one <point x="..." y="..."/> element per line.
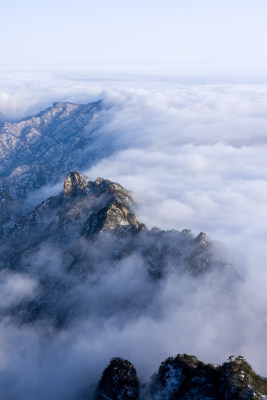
<point x="39" y="150"/>
<point x="91" y="224"/>
<point x="184" y="377"/>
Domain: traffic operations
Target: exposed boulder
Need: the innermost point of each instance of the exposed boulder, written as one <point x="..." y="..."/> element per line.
<point x="74" y="184"/>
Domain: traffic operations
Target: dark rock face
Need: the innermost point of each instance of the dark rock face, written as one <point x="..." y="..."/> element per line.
<point x="6" y="203"/>
<point x="119" y="381"/>
<point x="8" y="211"/>
<point x="5" y="199"/>
<point x="117" y="213"/>
<point x="239" y="381"/>
<point x="186" y="378"/>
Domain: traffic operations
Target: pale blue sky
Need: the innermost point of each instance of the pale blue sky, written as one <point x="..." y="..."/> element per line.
<point x="132" y="34"/>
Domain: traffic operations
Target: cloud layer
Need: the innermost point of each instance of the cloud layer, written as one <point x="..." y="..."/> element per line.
<point x="193" y="156"/>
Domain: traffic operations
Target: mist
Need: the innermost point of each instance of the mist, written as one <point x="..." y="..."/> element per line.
<point x="192" y="156"/>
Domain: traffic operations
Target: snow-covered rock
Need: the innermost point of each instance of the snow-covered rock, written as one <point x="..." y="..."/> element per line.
<point x="41" y="149"/>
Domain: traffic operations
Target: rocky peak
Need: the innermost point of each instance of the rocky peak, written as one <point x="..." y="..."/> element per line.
<point x="186" y="378"/>
<point x="119" y="381"/>
<point x="116" y="213"/>
<point x="82" y="207"/>
<point x="111" y="218"/>
<point x="239" y="381"/>
<point x="202" y="239"/>
<point x="74" y="184"/>
<point x="99" y="180"/>
<point x="113" y="189"/>
<point x="63" y="105"/>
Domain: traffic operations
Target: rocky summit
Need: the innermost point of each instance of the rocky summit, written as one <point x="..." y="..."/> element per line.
<point x="74" y="183"/>
<point x="183" y="377"/>
<point x="81" y="209"/>
<point x="119" y="381"/>
<point x="84" y="230"/>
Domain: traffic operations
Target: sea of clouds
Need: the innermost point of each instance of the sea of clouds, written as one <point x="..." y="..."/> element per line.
<point x="193" y="156"/>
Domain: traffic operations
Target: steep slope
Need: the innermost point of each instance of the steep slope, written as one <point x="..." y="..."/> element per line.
<point x="88" y="232"/>
<point x="85" y="209"/>
<point x="81" y="209"/>
<point x="7" y="211"/>
<point x="39" y="150"/>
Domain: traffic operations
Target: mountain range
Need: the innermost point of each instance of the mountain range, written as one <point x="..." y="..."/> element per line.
<point x="86" y="244"/>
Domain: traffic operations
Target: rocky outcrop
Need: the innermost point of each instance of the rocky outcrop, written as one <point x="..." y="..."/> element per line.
<point x="74" y="184"/>
<point x="90" y="227"/>
<point x="82" y="208"/>
<point x="184" y="377"/>
<point x="239" y="381"/>
<point x="85" y="209"/>
<point x="118" y="382"/>
<point x="116" y="214"/>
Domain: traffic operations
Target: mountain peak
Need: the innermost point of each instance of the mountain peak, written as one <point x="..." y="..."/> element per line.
<point x="66" y="106"/>
<point x="185" y="377"/>
<point x="57" y="104"/>
<point x="119" y="381"/>
<point x="99" y="180"/>
<point x="74" y="183"/>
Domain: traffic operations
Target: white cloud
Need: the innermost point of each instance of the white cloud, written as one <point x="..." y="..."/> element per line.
<point x="193" y="156"/>
<point x="15" y="288"/>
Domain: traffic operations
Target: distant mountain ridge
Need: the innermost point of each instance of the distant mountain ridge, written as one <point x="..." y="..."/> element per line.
<point x="41" y="149"/>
